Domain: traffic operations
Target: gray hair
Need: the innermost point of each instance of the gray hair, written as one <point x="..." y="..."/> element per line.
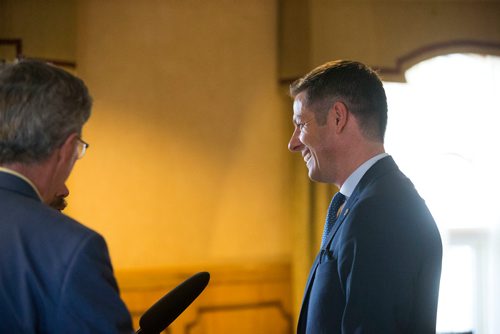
<point x="40" y="106"/>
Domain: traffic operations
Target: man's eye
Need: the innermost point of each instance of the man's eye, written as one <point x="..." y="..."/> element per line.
<point x="301" y="125"/>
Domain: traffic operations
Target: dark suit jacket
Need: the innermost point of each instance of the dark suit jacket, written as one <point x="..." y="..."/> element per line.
<point x="55" y="274"/>
<point x="381" y="268"/>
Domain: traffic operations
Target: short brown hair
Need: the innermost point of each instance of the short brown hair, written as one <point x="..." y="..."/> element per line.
<point x="353" y="83"/>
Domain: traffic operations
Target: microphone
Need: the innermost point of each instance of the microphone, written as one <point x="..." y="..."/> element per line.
<point x="170" y="306"/>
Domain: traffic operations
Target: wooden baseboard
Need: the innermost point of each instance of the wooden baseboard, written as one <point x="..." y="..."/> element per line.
<point x="240" y="299"/>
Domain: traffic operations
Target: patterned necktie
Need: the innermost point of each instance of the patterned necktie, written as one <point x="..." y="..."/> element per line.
<point x="331" y="216"/>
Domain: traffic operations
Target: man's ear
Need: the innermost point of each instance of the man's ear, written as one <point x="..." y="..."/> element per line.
<point x="340" y="115"/>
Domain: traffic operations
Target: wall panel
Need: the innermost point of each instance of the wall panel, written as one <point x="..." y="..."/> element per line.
<point x="238" y="299"/>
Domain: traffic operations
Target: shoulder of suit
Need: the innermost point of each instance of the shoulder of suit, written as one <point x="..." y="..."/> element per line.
<point x="47" y="221"/>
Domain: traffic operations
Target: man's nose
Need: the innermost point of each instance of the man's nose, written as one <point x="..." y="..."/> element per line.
<point x="294" y="145"/>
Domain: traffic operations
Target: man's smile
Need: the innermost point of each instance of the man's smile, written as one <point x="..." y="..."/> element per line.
<point x="306" y="155"/>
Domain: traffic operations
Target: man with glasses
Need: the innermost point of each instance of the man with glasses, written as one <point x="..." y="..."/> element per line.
<point x="55" y="274"/>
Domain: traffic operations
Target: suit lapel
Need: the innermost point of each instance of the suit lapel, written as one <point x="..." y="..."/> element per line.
<point x="375" y="171"/>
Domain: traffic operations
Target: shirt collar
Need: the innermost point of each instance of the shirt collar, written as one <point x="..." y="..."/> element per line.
<point x="24" y="178"/>
<point x="352" y="181"/>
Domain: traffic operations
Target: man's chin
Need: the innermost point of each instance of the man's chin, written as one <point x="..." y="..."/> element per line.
<point x="313" y="176"/>
<point x="316" y="176"/>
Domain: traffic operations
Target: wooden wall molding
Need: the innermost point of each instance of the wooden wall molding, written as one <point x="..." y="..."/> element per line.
<point x="227" y="309"/>
<point x="253" y="298"/>
<point x="17" y="43"/>
<point x="404" y="62"/>
<point x="13" y="42"/>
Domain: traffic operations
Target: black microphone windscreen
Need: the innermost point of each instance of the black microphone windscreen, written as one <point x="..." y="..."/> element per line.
<point x="170" y="306"/>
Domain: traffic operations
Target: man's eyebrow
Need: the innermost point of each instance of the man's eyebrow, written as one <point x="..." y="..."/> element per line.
<point x="300" y="118"/>
<point x="296" y="119"/>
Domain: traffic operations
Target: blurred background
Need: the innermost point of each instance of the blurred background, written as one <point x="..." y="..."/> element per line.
<point x="188" y="168"/>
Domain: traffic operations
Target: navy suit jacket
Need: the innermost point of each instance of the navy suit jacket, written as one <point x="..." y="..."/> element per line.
<point x="55" y="274"/>
<point x="380" y="270"/>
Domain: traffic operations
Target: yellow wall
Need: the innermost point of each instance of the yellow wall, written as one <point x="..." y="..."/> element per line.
<point x="187" y="162"/>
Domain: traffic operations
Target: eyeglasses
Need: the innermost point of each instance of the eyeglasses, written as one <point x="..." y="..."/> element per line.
<point x="82" y="147"/>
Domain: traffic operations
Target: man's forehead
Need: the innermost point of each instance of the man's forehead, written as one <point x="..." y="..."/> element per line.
<point x="297" y="107"/>
<point x="299" y="104"/>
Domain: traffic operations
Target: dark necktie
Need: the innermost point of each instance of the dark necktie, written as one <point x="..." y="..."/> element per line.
<point x="331" y="216"/>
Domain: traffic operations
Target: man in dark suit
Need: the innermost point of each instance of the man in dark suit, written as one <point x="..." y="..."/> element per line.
<point x="55" y="274"/>
<point x="379" y="266"/>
